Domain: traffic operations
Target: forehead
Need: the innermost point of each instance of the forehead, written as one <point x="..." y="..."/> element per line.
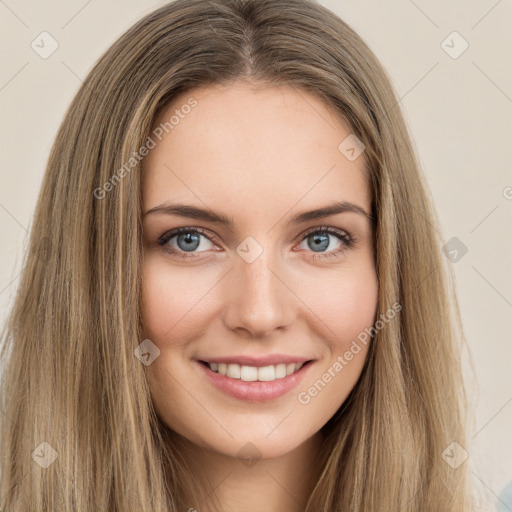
<point x="252" y="147"/>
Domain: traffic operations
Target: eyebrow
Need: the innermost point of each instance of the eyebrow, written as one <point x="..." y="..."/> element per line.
<point x="194" y="212"/>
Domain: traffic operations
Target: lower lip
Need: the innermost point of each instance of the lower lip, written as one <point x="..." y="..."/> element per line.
<point x="255" y="391"/>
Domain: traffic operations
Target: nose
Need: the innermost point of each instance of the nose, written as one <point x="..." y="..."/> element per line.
<point x="258" y="298"/>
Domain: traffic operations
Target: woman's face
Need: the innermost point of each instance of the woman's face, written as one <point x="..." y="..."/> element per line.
<point x="263" y="289"/>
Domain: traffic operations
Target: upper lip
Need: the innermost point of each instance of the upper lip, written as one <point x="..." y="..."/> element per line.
<point x="269" y="360"/>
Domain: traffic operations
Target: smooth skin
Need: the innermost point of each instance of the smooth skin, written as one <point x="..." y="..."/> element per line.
<point x="259" y="155"/>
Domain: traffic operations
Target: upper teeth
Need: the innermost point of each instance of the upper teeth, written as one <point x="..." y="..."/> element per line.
<point x="252" y="373"/>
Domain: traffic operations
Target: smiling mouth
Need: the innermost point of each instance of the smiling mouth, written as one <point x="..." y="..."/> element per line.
<point x="254" y="373"/>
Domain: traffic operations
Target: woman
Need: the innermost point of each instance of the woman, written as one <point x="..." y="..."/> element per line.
<point x="234" y="297"/>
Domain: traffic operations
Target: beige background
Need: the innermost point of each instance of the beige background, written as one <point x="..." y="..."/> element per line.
<point x="459" y="112"/>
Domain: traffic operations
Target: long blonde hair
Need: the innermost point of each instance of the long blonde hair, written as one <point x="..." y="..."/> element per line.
<point x="71" y="386"/>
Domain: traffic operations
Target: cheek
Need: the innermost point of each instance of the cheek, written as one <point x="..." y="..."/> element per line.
<point x="172" y="299"/>
<point x="344" y="302"/>
<point x="346" y="307"/>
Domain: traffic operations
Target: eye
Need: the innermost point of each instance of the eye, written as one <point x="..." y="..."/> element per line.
<point x="184" y="242"/>
<point x="318" y="240"/>
<point x="187" y="241"/>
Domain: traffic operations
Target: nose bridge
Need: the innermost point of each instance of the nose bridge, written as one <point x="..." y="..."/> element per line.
<point x="258" y="299"/>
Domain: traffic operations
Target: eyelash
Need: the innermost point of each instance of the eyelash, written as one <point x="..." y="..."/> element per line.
<point x="347" y="240"/>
